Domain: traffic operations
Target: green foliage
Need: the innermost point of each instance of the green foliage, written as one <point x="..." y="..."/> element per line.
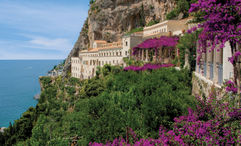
<point x="142" y="101"/>
<point x="131" y="61"/>
<point x="92" y="2"/>
<point x="74" y="81"/>
<point x="103" y="107"/>
<point x="21" y="129"/>
<point x="45" y="81"/>
<point x="135" y="30"/>
<point x="171" y="15"/>
<point x="183" y="6"/>
<point x="187" y="45"/>
<point x="153" y="22"/>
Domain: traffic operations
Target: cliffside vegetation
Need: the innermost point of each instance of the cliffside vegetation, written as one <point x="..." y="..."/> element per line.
<point x="102" y="108"/>
<point x="187" y="46"/>
<point x="183" y="7"/>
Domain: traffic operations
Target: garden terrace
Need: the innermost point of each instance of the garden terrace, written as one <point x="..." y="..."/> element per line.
<point x="160" y="50"/>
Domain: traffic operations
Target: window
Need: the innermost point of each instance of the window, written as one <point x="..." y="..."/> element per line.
<point x="126" y="43"/>
<point x="126" y="53"/>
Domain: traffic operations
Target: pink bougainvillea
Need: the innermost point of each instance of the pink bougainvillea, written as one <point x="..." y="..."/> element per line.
<point x="234" y="58"/>
<point x="231" y="87"/>
<point x="163" y="41"/>
<point x="222" y="23"/>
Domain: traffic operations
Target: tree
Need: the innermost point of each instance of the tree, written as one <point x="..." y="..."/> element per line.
<point x="222" y="24"/>
<point x="92" y="1"/>
<point x="187" y="45"/>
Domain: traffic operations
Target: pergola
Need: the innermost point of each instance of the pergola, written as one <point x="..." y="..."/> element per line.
<point x="156" y="49"/>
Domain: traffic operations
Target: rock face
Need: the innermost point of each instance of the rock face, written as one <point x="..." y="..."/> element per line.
<point x="110" y="19"/>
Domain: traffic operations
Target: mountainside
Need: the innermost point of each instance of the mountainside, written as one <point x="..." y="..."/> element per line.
<point x="110" y="19"/>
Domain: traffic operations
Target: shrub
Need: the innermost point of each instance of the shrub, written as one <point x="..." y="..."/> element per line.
<point x="213" y="123"/>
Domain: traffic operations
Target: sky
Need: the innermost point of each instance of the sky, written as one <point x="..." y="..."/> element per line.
<point x="40" y="29"/>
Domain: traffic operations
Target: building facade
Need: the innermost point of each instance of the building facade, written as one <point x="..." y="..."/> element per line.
<point x="166" y="28"/>
<point x="85" y="65"/>
<point x="213" y="70"/>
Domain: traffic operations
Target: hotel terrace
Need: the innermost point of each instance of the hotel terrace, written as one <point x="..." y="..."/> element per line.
<point x="215" y="69"/>
<point x="84" y="66"/>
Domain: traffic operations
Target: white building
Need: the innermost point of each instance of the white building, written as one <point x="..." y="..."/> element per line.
<point x="215" y="67"/>
<point x="84" y="66"/>
<point x="166" y="28"/>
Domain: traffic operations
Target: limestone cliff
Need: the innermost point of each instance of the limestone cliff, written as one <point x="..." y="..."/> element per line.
<point x="110" y="19"/>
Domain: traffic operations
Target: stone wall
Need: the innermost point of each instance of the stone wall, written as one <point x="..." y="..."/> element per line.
<point x="203" y="87"/>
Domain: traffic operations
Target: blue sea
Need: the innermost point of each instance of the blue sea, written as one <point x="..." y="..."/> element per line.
<point x="18" y="85"/>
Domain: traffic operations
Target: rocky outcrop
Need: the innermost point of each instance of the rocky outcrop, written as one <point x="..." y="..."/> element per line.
<point x="110" y="19"/>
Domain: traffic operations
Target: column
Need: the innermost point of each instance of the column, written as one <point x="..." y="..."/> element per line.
<point x="156" y="53"/>
<point x="147" y="55"/>
<point x="203" y="62"/>
<point x="139" y="56"/>
<point x="142" y="53"/>
<point x="198" y="69"/>
<point x="161" y="54"/>
<point x="209" y="58"/>
<point x="217" y="59"/>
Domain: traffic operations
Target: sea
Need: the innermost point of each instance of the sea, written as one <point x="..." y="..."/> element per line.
<point x="18" y="86"/>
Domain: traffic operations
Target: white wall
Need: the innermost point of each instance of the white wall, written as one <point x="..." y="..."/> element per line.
<point x="75" y="67"/>
<point x="227" y="66"/>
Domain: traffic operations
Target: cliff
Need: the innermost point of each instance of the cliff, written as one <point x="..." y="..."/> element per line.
<point x="110" y="19"/>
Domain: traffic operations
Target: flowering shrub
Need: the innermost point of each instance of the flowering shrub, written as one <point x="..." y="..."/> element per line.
<point x="156" y="43"/>
<point x="222" y="21"/>
<point x="230" y="87"/>
<point x="147" y="67"/>
<point x="213" y="123"/>
<point x="234" y="58"/>
<point x="222" y="24"/>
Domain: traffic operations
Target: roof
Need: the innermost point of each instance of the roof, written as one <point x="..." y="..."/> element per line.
<point x="100" y="41"/>
<point x="93" y="50"/>
<point x="83" y="51"/>
<point x="111" y="45"/>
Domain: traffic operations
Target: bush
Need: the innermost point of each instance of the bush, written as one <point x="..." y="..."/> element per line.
<point x="135" y="30"/>
<point x="171" y="15"/>
<point x="143" y="101"/>
<point x="106" y="106"/>
<point x="153" y="22"/>
<point x="212" y="123"/>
